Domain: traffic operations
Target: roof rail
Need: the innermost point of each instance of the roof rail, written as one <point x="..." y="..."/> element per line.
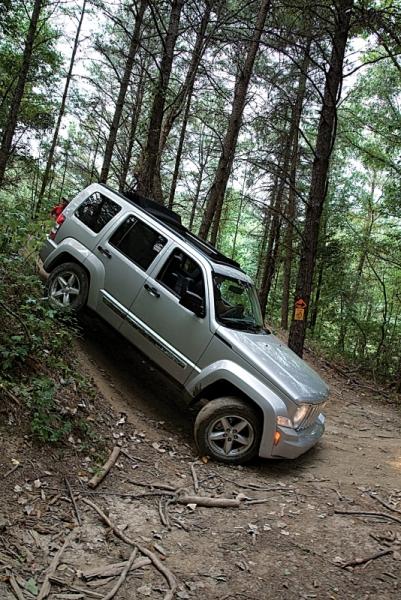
<point x="173" y="221"/>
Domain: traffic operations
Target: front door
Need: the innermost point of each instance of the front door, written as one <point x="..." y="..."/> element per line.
<point x="126" y="255"/>
<point x="171" y="335"/>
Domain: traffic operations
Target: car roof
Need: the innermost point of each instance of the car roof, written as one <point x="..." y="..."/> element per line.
<point x="172" y="221"/>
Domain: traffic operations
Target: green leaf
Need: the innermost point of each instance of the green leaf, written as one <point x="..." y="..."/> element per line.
<point x="31" y="586"/>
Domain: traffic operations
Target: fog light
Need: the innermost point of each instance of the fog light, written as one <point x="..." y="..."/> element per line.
<point x="276" y="438"/>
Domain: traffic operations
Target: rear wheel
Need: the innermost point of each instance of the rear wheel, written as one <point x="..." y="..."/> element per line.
<point x="67" y="287"/>
<point x="228" y="430"/>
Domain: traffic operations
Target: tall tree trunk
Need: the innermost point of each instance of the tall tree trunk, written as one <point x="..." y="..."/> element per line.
<point x="203" y="161"/>
<point x="149" y="158"/>
<point x="12" y="117"/>
<point x="136" y="109"/>
<point x="292" y="204"/>
<point x="218" y="188"/>
<point x="186" y="91"/>
<point x="319" y="179"/>
<point x="262" y="250"/>
<point x="50" y="158"/>
<point x="133" y="48"/>
<point x="92" y="171"/>
<point x="275" y="227"/>
<point x="177" y="162"/>
<point x="184" y="97"/>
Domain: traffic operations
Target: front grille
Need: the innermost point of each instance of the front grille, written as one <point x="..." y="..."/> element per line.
<point x="313" y="413"/>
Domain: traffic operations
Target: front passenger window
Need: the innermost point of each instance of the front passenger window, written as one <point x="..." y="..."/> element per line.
<point x="182" y="274"/>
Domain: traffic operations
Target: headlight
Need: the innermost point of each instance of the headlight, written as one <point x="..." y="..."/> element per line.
<point x="300" y="415"/>
<point x="284" y="421"/>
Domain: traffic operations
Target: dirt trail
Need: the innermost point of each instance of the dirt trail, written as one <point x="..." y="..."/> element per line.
<point x="291" y="546"/>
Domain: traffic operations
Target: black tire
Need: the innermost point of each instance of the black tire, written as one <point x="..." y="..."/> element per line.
<point x="216" y="432"/>
<point x="67" y="287"/>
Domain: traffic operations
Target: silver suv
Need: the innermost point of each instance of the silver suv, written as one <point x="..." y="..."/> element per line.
<point x="193" y="312"/>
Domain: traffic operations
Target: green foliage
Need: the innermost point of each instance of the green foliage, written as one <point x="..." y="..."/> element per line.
<point x="33" y="337"/>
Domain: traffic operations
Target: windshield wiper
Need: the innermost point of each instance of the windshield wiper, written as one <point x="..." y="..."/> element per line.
<point x="242" y="325"/>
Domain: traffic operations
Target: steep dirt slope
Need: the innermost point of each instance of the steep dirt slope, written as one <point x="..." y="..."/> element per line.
<point x="292" y="545"/>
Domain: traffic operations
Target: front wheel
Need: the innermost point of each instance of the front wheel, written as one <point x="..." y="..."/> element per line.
<point x="67" y="287"/>
<point x="228" y="430"/>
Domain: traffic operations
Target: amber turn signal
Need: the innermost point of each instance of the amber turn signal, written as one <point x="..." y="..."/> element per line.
<point x="277" y="438"/>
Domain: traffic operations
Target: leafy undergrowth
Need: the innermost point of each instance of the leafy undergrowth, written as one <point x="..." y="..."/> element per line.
<point x="41" y="390"/>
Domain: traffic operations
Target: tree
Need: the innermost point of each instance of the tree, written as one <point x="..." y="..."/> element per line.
<point x="216" y="195"/>
<point x="150" y="156"/>
<point x="12" y="117"/>
<point x="53" y="145"/>
<point x="133" y="48"/>
<point x="325" y="139"/>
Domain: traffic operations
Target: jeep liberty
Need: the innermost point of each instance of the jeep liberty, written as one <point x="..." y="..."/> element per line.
<point x="194" y="313"/>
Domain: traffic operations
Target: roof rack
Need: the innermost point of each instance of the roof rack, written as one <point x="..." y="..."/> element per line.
<point x="173" y="222"/>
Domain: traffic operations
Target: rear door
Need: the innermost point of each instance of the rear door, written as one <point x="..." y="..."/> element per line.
<point x="168" y="333"/>
<point x="127" y="255"/>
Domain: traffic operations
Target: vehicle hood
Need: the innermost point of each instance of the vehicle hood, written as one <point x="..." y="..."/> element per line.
<point x="280" y="365"/>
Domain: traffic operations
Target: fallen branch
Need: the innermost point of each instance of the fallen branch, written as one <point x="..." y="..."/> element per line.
<point x="113" y="570"/>
<point x="96" y="479"/>
<point x="134" y="459"/>
<point x="67" y="483"/>
<point x="171" y="580"/>
<point x="16" y="588"/>
<point x="163" y="514"/>
<point x="361" y="513"/>
<point x="14" y="468"/>
<point x="123" y="576"/>
<point x="256" y="486"/>
<point x="195" y="478"/>
<point x="74" y="588"/>
<point x="209" y="502"/>
<point x="156" y="485"/>
<point x="384" y="503"/>
<point x="45" y="589"/>
<point x="362" y="561"/>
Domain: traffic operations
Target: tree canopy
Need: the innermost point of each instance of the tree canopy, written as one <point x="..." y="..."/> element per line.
<point x="272" y="127"/>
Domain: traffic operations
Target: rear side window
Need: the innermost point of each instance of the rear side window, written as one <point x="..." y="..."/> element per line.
<point x="96" y="211"/>
<point x="138" y="242"/>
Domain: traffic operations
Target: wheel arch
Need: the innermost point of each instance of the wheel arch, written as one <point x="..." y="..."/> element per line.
<point x="221" y="388"/>
<point x="65" y="257"/>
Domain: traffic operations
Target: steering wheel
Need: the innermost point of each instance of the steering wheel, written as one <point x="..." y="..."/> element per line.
<point x="233" y="311"/>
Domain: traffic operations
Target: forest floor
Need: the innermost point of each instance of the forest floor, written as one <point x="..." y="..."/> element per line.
<point x="295" y="544"/>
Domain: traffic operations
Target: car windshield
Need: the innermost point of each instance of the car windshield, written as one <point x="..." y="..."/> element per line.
<point x="236" y="304"/>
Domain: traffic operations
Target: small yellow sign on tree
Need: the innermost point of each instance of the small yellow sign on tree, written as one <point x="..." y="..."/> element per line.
<point x="299" y="314"/>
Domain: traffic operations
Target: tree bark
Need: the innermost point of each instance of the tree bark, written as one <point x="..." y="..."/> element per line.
<point x="218" y="188"/>
<point x="291" y="205"/>
<point x="177" y="162"/>
<point x="186" y="91"/>
<point x="12" y="118"/>
<point x="50" y="158"/>
<point x="132" y="133"/>
<point x="319" y="179"/>
<point x="149" y="158"/>
<point x="133" y="48"/>
<point x="275" y="227"/>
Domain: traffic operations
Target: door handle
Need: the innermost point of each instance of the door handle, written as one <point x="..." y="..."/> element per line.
<point x="152" y="291"/>
<point x="104" y="251"/>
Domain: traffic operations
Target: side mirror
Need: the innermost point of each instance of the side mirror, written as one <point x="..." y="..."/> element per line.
<point x="194" y="303"/>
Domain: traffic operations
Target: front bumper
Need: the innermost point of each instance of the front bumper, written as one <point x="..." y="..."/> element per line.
<point x="294" y="442"/>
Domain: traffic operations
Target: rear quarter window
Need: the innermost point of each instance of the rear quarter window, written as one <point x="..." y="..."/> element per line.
<point x="96" y="211"/>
